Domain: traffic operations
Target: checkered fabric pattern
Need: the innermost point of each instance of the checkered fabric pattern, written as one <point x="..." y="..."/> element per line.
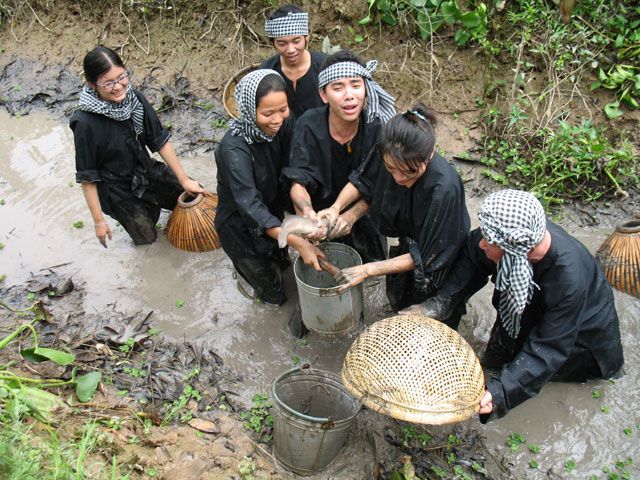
<point x="246" y="125"/>
<point x="514" y="221"/>
<point x="130" y="107"/>
<point x="291" y="24"/>
<point x="379" y="103"/>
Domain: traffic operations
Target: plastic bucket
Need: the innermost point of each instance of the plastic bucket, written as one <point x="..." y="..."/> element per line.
<point x="324" y="311"/>
<point x="313" y="412"/>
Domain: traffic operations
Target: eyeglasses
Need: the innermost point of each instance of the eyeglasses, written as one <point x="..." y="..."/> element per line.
<point x="124" y="78"/>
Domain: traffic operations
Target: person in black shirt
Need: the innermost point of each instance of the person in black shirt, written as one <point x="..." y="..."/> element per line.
<point x="417" y="196"/>
<point x="556" y="319"/>
<point x="332" y="141"/>
<point x="112" y="130"/>
<point x="288" y="30"/>
<point x="251" y="201"/>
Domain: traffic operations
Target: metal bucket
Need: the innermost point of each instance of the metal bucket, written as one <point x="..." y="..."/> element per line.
<point x="324" y="311"/>
<point x="313" y="412"/>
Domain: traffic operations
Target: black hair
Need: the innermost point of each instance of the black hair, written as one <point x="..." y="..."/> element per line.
<point x="409" y="138"/>
<point x="285" y="10"/>
<point x="342" y="56"/>
<point x="99" y="61"/>
<point x="269" y="83"/>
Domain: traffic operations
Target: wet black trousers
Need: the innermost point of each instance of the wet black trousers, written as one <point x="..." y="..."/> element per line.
<point x="258" y="260"/>
<point x="139" y="216"/>
<point x="502" y="349"/>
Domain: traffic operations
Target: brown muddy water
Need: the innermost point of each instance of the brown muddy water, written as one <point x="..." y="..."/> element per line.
<point x="42" y="202"/>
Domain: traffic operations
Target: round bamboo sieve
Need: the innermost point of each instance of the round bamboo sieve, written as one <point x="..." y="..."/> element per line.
<point x="228" y="94"/>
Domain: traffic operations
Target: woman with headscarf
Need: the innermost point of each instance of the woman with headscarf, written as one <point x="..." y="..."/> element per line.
<point x="251" y="201"/>
<point x="113" y="129"/>
<point x="331" y="142"/>
<point x="288" y="31"/>
<point x="556" y="319"/>
<point x="415" y="196"/>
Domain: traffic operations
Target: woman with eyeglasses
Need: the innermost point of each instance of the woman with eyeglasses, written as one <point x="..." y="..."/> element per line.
<point x="416" y="196"/>
<point x="114" y="128"/>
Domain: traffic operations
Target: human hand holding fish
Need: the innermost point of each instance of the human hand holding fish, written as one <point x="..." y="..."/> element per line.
<point x="302" y="226"/>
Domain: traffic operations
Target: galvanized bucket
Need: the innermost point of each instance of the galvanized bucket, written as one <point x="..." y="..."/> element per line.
<point x="313" y="413"/>
<point x="324" y="311"/>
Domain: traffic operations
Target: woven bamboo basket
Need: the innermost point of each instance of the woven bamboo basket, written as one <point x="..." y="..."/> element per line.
<point x="190" y="225"/>
<point x="619" y="257"/>
<point x="228" y="94"/>
<point x="416" y="369"/>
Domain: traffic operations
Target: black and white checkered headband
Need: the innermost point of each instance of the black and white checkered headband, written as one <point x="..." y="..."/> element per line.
<point x="130" y="107"/>
<point x="291" y="24"/>
<point x="379" y="103"/>
<point x="514" y="221"/>
<point x="246" y="125"/>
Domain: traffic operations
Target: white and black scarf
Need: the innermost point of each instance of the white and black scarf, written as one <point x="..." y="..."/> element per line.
<point x="130" y="107"/>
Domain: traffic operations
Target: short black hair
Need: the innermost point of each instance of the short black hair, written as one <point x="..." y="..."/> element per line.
<point x="269" y="83"/>
<point x="410" y="137"/>
<point x="99" y="61"/>
<point x="285" y="10"/>
<point x="342" y="56"/>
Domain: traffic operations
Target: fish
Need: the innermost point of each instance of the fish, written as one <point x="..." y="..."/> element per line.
<point x="297" y="225"/>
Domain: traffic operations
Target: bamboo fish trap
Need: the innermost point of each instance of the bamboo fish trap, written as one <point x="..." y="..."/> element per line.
<point x="228" y="94"/>
<point x="619" y="257"/>
<point x="416" y="369"/>
<point x="190" y="225"/>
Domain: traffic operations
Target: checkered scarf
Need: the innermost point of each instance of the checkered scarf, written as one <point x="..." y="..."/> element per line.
<point x="130" y="107"/>
<point x="515" y="221"/>
<point x="246" y="126"/>
<point x="379" y="102"/>
<point x="291" y="24"/>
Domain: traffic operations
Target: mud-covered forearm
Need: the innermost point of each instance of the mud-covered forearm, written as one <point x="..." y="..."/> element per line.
<point x="348" y="195"/>
<point x="356" y="212"/>
<point x="399" y="264"/>
<point x="300" y="198"/>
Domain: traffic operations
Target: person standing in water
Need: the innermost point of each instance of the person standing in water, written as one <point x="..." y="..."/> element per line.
<point x="251" y="200"/>
<point x="288" y="30"/>
<point x="331" y="142"/>
<point x="114" y="128"/>
<point x="416" y="196"/>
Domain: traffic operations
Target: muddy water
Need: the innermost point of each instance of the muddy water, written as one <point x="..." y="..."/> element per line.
<point x="42" y="202"/>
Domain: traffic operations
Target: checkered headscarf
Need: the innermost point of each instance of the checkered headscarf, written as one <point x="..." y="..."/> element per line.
<point x="291" y="24"/>
<point x="130" y="107"/>
<point x="514" y="221"/>
<point x="379" y="102"/>
<point x="246" y="126"/>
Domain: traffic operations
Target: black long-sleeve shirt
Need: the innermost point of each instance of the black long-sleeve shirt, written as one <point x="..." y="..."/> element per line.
<point x="248" y="180"/>
<point x="305" y="96"/>
<point x="320" y="163"/>
<point x="572" y="312"/>
<point x="432" y="212"/>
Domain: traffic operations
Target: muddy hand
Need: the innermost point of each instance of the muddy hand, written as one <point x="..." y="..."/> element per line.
<point x="330" y="216"/>
<point x="102" y="232"/>
<point x="439" y="307"/>
<point x="340" y="229"/>
<point x="331" y="269"/>
<point x="192" y="187"/>
<point x="352" y="276"/>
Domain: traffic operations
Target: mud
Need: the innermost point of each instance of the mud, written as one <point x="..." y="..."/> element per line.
<point x="42" y="202"/>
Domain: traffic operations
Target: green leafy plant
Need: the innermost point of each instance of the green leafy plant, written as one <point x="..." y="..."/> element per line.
<point x="514" y="441"/>
<point x="180" y="303"/>
<point x="259" y="418"/>
<point x="78" y="224"/>
<point x="533" y="464"/>
<point x="570" y="465"/>
<point x="625" y="81"/>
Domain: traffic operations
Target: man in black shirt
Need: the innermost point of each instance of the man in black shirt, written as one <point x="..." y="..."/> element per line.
<point x="556" y="315"/>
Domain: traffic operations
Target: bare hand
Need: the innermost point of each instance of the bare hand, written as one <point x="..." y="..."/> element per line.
<point x="330" y="215"/>
<point x="192" y="187"/>
<point x="341" y="228"/>
<point x="319" y="234"/>
<point x="352" y="276"/>
<point x="309" y="254"/>
<point x="486" y="404"/>
<point x="103" y="231"/>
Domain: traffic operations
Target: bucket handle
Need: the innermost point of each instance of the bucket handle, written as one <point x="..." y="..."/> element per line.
<point x="323" y="420"/>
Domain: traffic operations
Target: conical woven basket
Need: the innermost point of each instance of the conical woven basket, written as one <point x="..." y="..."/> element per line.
<point x="190" y="225"/>
<point x="228" y="94"/>
<point x="416" y="369"/>
<point x="619" y="256"/>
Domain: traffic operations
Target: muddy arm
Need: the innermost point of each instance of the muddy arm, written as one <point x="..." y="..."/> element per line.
<point x="168" y="154"/>
<point x="352" y="276"/>
<point x="302" y="201"/>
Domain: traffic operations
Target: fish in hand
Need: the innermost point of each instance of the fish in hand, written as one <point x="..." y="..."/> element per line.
<point x="302" y="226"/>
